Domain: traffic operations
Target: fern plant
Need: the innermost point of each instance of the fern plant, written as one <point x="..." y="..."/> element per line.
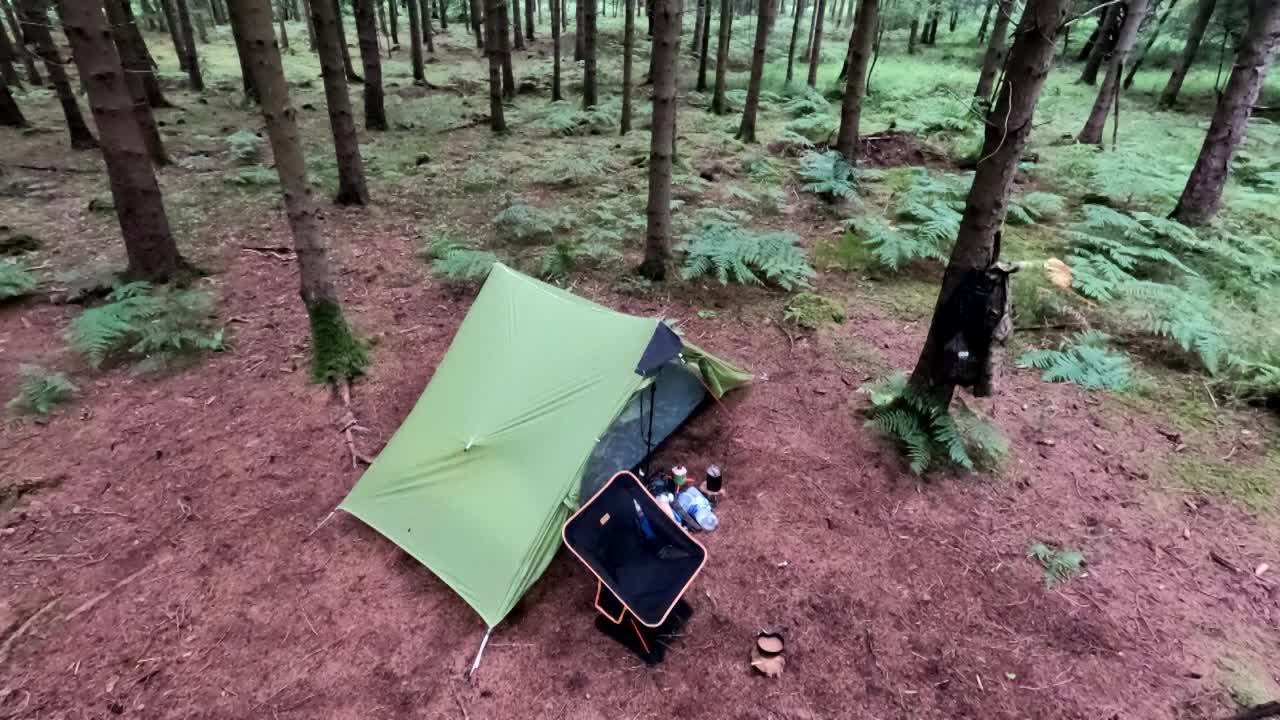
<point x="245" y="148"/>
<point x="828" y="175"/>
<point x="255" y="176"/>
<point x="458" y="263"/>
<point x="525" y="224"/>
<point x="142" y="321"/>
<point x="572" y="170"/>
<point x="565" y="118"/>
<point x="16" y="281"/>
<point x="816" y="128"/>
<point x="567" y="255"/>
<point x="1057" y="564"/>
<point x="733" y="253"/>
<point x="893" y="247"/>
<point x="39" y="389"/>
<point x="1185" y="316"/>
<point x="811" y="102"/>
<point x="1083" y="359"/>
<point x="926" y="431"/>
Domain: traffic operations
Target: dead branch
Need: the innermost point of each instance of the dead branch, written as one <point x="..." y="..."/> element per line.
<point x="1214" y="556"/>
<point x="56" y="168"/>
<point x="26" y="625"/>
<point x="91" y="602"/>
<point x="348" y="424"/>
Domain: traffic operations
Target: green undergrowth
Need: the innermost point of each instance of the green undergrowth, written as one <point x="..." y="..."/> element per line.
<point x="39" y="389"/>
<point x="929" y="434"/>
<point x="139" y="321"/>
<point x="1252" y="484"/>
<point x="336" y="353"/>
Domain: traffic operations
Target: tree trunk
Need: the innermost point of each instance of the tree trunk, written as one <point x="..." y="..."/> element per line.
<point x="382" y="25"/>
<point x="955" y="17"/>
<point x="444" y="15"/>
<point x="815" y="59"/>
<point x="336" y="355"/>
<point x="795" y="35"/>
<point x="477" y="22"/>
<point x="911" y="39"/>
<point x="35" y="31"/>
<point x="528" y="19"/>
<point x="155" y="18"/>
<point x="557" y="7"/>
<point x="351" y="183"/>
<point x="175" y="32"/>
<point x="202" y="28"/>
<point x="393" y="19"/>
<point x="153" y="256"/>
<point x="1007" y="129"/>
<point x="504" y="42"/>
<point x="1112" y="26"/>
<point x="628" y="47"/>
<point x="589" y="53"/>
<point x="215" y="9"/>
<point x="284" y="34"/>
<point x="517" y="36"/>
<point x="1202" y="196"/>
<point x="993" y="61"/>
<point x="1146" y="48"/>
<point x="986" y="19"/>
<point x="28" y="58"/>
<point x="242" y="51"/>
<point x="121" y="31"/>
<point x="347" y="67"/>
<point x="133" y="51"/>
<point x="189" y="45"/>
<point x="8" y="59"/>
<point x="375" y="113"/>
<point x="764" y="23"/>
<point x="1109" y="92"/>
<point x="310" y="23"/>
<point x="579" y="37"/>
<point x="415" y="43"/>
<point x="1195" y="34"/>
<point x="699" y="23"/>
<point x="702" y="54"/>
<point x="662" y="137"/>
<point x="718" y="105"/>
<point x="428" y="32"/>
<point x="860" y="44"/>
<point x="494" y="36"/>
<point x="10" y="113"/>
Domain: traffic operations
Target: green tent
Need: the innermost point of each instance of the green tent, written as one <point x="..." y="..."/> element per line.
<point x="493" y="458"/>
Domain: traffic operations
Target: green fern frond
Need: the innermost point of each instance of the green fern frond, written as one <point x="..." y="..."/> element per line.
<point x="1084" y="359"/>
<point x="16" y="281"/>
<point x="736" y="254"/>
<point x="141" y="321"/>
<point x="39" y="389"/>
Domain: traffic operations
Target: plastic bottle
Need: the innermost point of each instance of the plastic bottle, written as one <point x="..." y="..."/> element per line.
<point x="697" y="505"/>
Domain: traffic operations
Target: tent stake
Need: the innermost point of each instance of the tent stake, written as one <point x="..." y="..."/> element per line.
<point x="476" y="664"/>
<point x="322" y="522"/>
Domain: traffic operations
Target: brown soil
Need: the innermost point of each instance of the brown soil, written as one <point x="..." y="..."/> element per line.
<point x="893" y="148"/>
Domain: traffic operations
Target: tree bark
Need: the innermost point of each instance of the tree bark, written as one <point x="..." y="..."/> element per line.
<point x="444" y="15"/>
<point x="911" y="39"/>
<point x="516" y="36"/>
<point x="352" y="189"/>
<point x="428" y="32"/>
<point x="1103" y="48"/>
<point x="528" y="19"/>
<point x="718" y="104"/>
<point x="628" y="47"/>
<point x="478" y="22"/>
<point x="579" y="37"/>
<point x="133" y="51"/>
<point x="1202" y="196"/>
<point x="1195" y="35"/>
<point x="986" y="19"/>
<point x="28" y="58"/>
<point x="666" y="51"/>
<point x="764" y="23"/>
<point x="347" y="67"/>
<point x="175" y="32"/>
<point x="415" y="43"/>
<point x="1007" y="128"/>
<point x="1146" y="47"/>
<point x="122" y="29"/>
<point x="375" y="113"/>
<point x="202" y="29"/>
<point x="993" y="61"/>
<point x="310" y="23"/>
<point x="189" y="46"/>
<point x="702" y="55"/>
<point x="504" y="42"/>
<point x="393" y="19"/>
<point x="8" y="59"/>
<point x="242" y="51"/>
<point x="284" y="33"/>
<point x="589" y="53"/>
<point x="219" y="15"/>
<point x="795" y="35"/>
<point x="10" y="113"/>
<point x="155" y="18"/>
<point x="557" y="7"/>
<point x="1108" y="93"/>
<point x="153" y="255"/>
<point x="699" y="23"/>
<point x="860" y="45"/>
<point x="494" y="36"/>
<point x="35" y="31"/>
<point x="815" y="59"/>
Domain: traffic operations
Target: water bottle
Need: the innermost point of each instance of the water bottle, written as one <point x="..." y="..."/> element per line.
<point x="698" y="507"/>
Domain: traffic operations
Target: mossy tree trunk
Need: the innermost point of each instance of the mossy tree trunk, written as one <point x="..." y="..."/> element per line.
<point x="861" y="43"/>
<point x="1202" y="196"/>
<point x="133" y="51"/>
<point x="589" y="88"/>
<point x="149" y="245"/>
<point x="1109" y="91"/>
<point x="666" y="52"/>
<point x="336" y="354"/>
<point x="815" y="56"/>
<point x="415" y="43"/>
<point x="1007" y="129"/>
<point x="189" y="46"/>
<point x="795" y="35"/>
<point x="993" y="60"/>
<point x="628" y="47"/>
<point x="35" y="31"/>
<point x="352" y="189"/>
<point x="718" y="104"/>
<point x="493" y="41"/>
<point x="764" y="23"/>
<point x="375" y="113"/>
<point x="1195" y="35"/>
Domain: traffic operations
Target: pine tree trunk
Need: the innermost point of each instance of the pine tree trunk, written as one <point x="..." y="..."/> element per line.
<point x="494" y="35"/>
<point x="718" y="104"/>
<point x="133" y="51"/>
<point x="1202" y="196"/>
<point x="10" y="113"/>
<point x="662" y="137"/>
<point x="993" y="61"/>
<point x="175" y="32"/>
<point x="1109" y="92"/>
<point x="855" y="89"/>
<point x="986" y="19"/>
<point x="1146" y="47"/>
<point x="415" y="43"/>
<point x="189" y="46"/>
<point x="699" y="20"/>
<point x="242" y="51"/>
<point x="375" y="113"/>
<point x="202" y="28"/>
<point x="815" y="59"/>
<point x="284" y="34"/>
<point x="393" y="17"/>
<point x="589" y="53"/>
<point x="219" y="16"/>
<point x="35" y="31"/>
<point x="528" y="19"/>
<point x="152" y="254"/>
<point x="795" y="35"/>
<point x="382" y="21"/>
<point x="478" y="22"/>
<point x="154" y="18"/>
<point x="702" y="54"/>
<point x="1112" y="26"/>
<point x="504" y="43"/>
<point x="310" y="23"/>
<point x="911" y="39"/>
<point x="347" y="67"/>
<point x="28" y="58"/>
<point x="444" y="15"/>
<point x="764" y="23"/>
<point x="579" y="36"/>
<point x="351" y="182"/>
<point x="517" y="36"/>
<point x="628" y="47"/>
<point x="955" y="17"/>
<point x="557" y="7"/>
<point x="122" y="30"/>
<point x="8" y="59"/>
<point x="1007" y="129"/>
<point x="1195" y="35"/>
<point x="428" y="32"/>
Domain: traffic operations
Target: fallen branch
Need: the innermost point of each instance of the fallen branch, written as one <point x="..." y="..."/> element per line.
<point x="348" y="423"/>
<point x="56" y="168"/>
<point x="26" y="625"/>
<point x="1214" y="556"/>
<point x="91" y="602"/>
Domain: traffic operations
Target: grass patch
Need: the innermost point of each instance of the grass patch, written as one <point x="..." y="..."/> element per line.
<point x="1252" y="485"/>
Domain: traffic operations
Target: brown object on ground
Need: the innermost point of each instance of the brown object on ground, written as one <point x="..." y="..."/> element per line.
<point x="11" y="639"/>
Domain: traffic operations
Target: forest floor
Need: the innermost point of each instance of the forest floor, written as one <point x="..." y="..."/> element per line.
<point x="159" y="549"/>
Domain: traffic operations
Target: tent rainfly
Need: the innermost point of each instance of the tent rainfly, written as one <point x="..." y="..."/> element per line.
<point x="541" y="397"/>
